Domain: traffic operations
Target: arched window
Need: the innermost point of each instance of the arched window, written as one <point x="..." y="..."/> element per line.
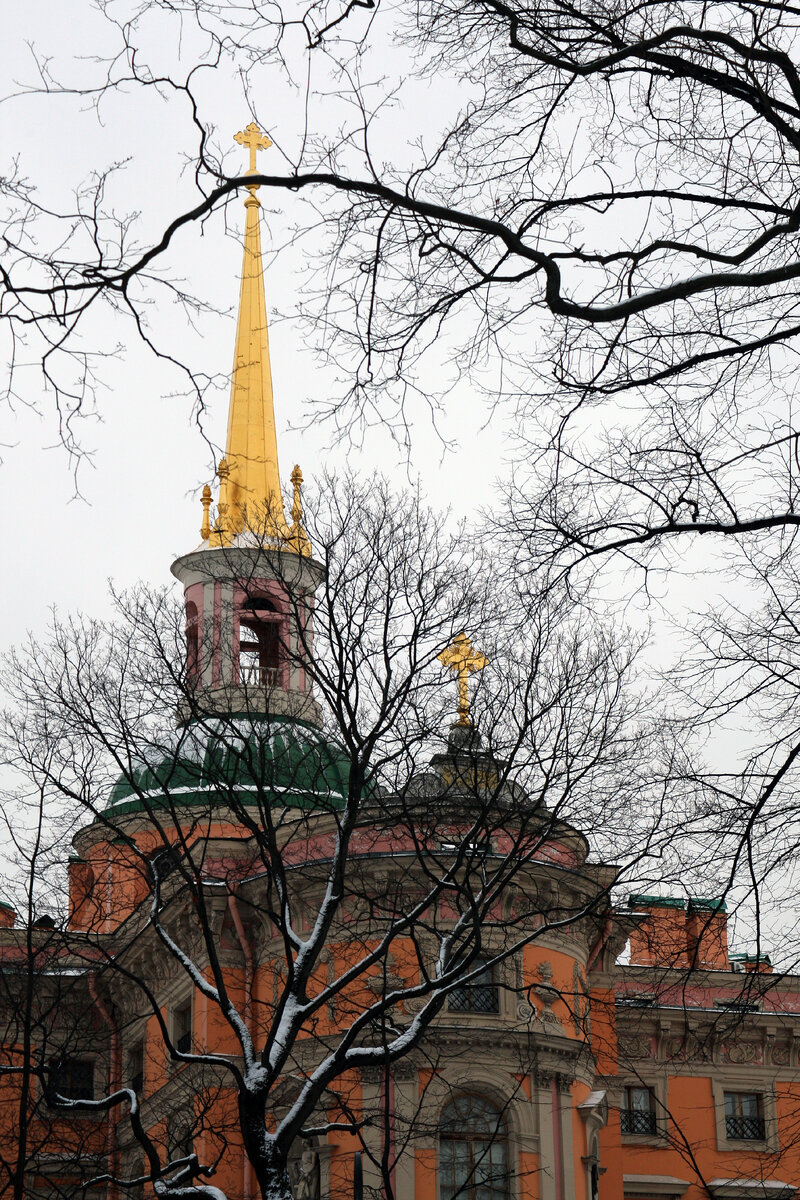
<point x="594" y="1171"/>
<point x="192" y="641"/>
<point x="473" y="1153"/>
<point x="259" y="642"/>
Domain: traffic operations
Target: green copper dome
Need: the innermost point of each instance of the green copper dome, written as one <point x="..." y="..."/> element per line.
<point x="242" y="759"/>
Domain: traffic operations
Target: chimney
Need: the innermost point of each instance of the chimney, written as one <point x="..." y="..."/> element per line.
<point x="752" y="964"/>
<point x="661" y="940"/>
<point x="680" y="934"/>
<point x="707" y="934"/>
<point x="8" y="916"/>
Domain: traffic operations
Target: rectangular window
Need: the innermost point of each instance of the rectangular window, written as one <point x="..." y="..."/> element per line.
<point x="182" y="1027"/>
<point x="136" y="1067"/>
<point x="136" y="1171"/>
<point x="637" y="1114"/>
<point x="744" y="1120"/>
<point x="479" y="994"/>
<point x="73" y="1078"/>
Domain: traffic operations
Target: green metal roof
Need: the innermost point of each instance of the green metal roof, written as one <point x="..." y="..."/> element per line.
<point x="247" y="758"/>
<point x="655" y="902"/>
<point x="707" y="904"/>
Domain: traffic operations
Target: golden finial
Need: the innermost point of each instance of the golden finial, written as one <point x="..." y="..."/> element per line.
<point x="254" y="140"/>
<point x="297" y="534"/>
<point x="205" y="528"/>
<point x="462" y="658"/>
<point x="297" y="503"/>
<point x="219" y="534"/>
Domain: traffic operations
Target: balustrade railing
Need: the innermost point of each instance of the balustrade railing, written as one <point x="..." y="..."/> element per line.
<point x="253" y="675"/>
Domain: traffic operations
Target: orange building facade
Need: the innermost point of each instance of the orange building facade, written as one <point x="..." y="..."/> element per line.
<point x="557" y="1073"/>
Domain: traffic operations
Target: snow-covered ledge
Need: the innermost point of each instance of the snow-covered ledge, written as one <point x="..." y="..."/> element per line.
<point x="653" y="1185"/>
<point x="752" y="1189"/>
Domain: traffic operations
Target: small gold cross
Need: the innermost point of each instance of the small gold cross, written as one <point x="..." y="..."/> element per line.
<point x="462" y="658"/>
<point x="254" y="140"/>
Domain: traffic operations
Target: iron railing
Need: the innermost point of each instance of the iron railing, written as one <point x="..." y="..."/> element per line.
<point x="636" y="1121"/>
<point x="474" y="997"/>
<point x="744" y="1129"/>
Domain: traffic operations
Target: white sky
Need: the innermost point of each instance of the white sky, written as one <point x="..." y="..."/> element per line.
<point x="138" y="506"/>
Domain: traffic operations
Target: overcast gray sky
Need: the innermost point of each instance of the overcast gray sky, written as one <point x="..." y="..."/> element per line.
<point x="136" y="505"/>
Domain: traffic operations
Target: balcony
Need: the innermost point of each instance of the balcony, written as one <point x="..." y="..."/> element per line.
<point x="633" y="1121"/>
<point x="744" y="1129"/>
<point x="254" y="675"/>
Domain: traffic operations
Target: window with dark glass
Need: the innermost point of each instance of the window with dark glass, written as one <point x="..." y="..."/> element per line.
<point x="179" y="1138"/>
<point x="73" y="1078"/>
<point x="136" y="1067"/>
<point x="473" y="1151"/>
<point x="637" y="1114"/>
<point x="479" y="994"/>
<point x="744" y="1120"/>
<point x="259" y="643"/>
<point x="182" y="1027"/>
<point x="135" y="1171"/>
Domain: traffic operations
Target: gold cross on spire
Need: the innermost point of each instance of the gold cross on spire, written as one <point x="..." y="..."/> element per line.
<point x="462" y="658"/>
<point x="254" y="140"/>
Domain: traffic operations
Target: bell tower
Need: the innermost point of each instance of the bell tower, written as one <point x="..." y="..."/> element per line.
<point x="249" y="586"/>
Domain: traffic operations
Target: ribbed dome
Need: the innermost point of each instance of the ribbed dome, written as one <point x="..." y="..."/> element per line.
<point x="252" y="759"/>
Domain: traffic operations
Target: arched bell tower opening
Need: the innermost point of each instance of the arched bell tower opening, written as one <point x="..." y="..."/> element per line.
<point x="262" y="635"/>
<point x="192" y="642"/>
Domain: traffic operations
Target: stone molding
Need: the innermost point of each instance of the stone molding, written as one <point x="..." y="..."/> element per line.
<point x="752" y="1189"/>
<point x="653" y="1185"/>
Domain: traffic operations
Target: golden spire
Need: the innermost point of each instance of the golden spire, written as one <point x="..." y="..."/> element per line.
<point x="252" y="480"/>
<point x="249" y="481"/>
<point x="462" y="658"/>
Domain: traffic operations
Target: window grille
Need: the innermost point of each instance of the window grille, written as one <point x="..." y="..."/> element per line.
<point x="637" y="1122"/>
<point x="744" y="1128"/>
<point x="637" y="1114"/>
<point x="743" y="1117"/>
<point x="479" y="994"/>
